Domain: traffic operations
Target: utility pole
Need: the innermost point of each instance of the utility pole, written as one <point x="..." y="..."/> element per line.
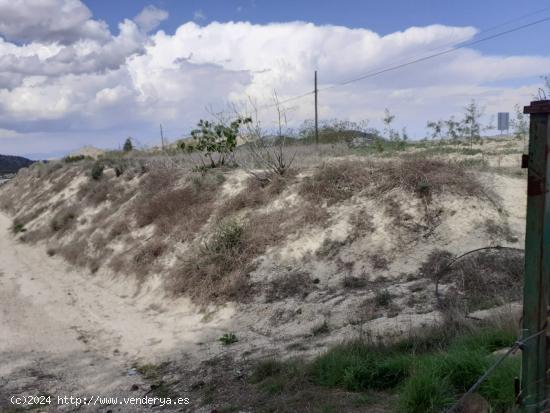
<point x="535" y="383"/>
<point x="316" y="113"/>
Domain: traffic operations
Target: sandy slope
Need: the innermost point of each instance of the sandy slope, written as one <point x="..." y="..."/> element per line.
<point x="67" y="334"/>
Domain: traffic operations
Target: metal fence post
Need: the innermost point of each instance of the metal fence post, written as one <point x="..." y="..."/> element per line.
<point x="536" y="295"/>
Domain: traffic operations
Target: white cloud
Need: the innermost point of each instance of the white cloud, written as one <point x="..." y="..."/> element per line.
<point x="150" y="17"/>
<point x="127" y="83"/>
<point x="64" y="21"/>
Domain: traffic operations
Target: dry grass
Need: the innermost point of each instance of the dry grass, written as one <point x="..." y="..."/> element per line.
<point x="338" y="181"/>
<point x="499" y="231"/>
<point x="436" y="261"/>
<point x="181" y="209"/>
<point x="484" y="279"/>
<point x="294" y="284"/>
<point x="147" y="256"/>
<point x="255" y="194"/>
<point x="219" y="271"/>
<point x="64" y="219"/>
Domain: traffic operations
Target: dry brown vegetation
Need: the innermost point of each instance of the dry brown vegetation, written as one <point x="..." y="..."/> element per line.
<point x="143" y="213"/>
<point x="425" y="177"/>
<point x="484" y="279"/>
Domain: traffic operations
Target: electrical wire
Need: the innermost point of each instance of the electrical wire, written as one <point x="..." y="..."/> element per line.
<point x="452" y="49"/>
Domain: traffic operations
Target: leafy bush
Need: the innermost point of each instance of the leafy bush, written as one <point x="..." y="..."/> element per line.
<point x="97" y="171"/>
<point x="217" y="140"/>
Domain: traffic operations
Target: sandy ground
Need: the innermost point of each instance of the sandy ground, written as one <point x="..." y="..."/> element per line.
<point x="63" y="333"/>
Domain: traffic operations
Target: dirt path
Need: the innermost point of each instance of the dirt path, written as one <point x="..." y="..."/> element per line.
<point x="67" y="333"/>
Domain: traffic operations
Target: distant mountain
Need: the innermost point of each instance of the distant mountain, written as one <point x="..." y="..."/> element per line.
<point x="11" y="164"/>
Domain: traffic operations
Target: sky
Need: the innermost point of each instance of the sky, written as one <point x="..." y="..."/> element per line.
<point x="93" y="72"/>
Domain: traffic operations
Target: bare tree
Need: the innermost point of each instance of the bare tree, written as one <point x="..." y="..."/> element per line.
<point x="271" y="153"/>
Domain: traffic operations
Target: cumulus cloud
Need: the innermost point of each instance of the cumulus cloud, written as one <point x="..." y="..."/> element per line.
<point x="67" y="81"/>
<point x="64" y="21"/>
<point x="150" y="17"/>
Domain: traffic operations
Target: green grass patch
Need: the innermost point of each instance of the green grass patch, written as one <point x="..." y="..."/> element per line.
<point x="358" y="366"/>
<point x="428" y="373"/>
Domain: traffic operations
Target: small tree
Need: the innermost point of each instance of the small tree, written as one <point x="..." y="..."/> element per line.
<point x="269" y="152"/>
<point x="388" y="129"/>
<point x="471" y="125"/>
<point x="128" y="146"/>
<point x="453" y="128"/>
<point x="217" y="140"/>
<point x="520" y="124"/>
<point x="436" y="129"/>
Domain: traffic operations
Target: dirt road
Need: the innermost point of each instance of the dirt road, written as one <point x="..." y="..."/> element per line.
<point x="64" y="332"/>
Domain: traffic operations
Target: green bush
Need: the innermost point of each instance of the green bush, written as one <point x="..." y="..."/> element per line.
<point x="228" y="338"/>
<point x="217" y="140"/>
<point x="18" y="227"/>
<point x="75" y="158"/>
<point x="97" y="171"/>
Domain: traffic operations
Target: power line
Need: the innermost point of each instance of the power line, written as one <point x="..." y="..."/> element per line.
<point x="432" y="56"/>
<point x="483" y="31"/>
<point x="453" y="49"/>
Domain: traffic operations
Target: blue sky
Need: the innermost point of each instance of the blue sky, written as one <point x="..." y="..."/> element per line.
<point x="91" y="72"/>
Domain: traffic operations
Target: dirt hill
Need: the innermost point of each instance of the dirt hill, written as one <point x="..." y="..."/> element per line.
<point x="347" y="244"/>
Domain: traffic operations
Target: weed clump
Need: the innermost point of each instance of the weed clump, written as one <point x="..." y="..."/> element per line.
<point x="18" y="227"/>
<point x="228" y="339"/>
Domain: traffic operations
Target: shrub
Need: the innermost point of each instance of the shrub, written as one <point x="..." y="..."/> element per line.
<point x="217" y="140"/>
<point x="382" y="298"/>
<point x="228" y="339"/>
<point x="75" y="158"/>
<point x="18" y="227"/>
<point x="97" y="171"/>
<point x="227" y="238"/>
<point x="128" y="146"/>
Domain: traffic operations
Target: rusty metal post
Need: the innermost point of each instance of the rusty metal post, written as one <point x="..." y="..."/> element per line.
<point x="536" y="294"/>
